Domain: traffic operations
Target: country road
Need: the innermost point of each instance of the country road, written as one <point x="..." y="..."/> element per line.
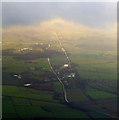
<point x="63" y="49"/>
<point x="65" y="94"/>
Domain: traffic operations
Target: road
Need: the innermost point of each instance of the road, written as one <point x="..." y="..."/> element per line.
<point x="65" y="94"/>
<point x="59" y="38"/>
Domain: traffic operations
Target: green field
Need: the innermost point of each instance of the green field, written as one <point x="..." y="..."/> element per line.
<point x="21" y="102"/>
<point x="96" y="94"/>
<point x="95" y="66"/>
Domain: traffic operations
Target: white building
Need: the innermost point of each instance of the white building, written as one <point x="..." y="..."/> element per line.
<point x="18" y="76"/>
<point x="66" y="65"/>
<point x="26" y="85"/>
<point x="24" y="49"/>
<point x="71" y="75"/>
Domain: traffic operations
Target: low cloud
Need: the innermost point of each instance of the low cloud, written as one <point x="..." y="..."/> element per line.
<point x="70" y="31"/>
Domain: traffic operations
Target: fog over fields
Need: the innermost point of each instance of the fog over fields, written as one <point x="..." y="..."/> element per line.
<point x="59" y="60"/>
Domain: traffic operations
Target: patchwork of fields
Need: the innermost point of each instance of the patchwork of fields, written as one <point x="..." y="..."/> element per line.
<point x="32" y="90"/>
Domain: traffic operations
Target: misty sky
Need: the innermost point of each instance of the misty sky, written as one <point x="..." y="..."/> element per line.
<point x="91" y="14"/>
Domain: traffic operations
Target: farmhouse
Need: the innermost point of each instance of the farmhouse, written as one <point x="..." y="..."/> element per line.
<point x="24" y="49"/>
<point x="66" y="65"/>
<point x="48" y="46"/>
<point x="15" y="75"/>
<point x="71" y="75"/>
<point x="18" y="76"/>
<point x="26" y="85"/>
<point x="63" y="49"/>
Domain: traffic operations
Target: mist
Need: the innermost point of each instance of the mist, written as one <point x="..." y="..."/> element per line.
<point x="92" y="14"/>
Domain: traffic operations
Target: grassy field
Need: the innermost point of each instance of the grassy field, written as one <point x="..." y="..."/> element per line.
<point x="27" y="93"/>
<point x="94" y="63"/>
<point x="58" y="87"/>
<point x="96" y="94"/>
<point x="21" y="102"/>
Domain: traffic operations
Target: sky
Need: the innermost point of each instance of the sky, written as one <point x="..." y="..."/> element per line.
<point x="94" y="14"/>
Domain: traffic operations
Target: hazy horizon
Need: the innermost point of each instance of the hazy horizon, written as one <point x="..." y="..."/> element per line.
<point x="100" y="15"/>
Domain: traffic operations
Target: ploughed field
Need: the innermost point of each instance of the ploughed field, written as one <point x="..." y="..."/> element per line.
<point x="31" y="89"/>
